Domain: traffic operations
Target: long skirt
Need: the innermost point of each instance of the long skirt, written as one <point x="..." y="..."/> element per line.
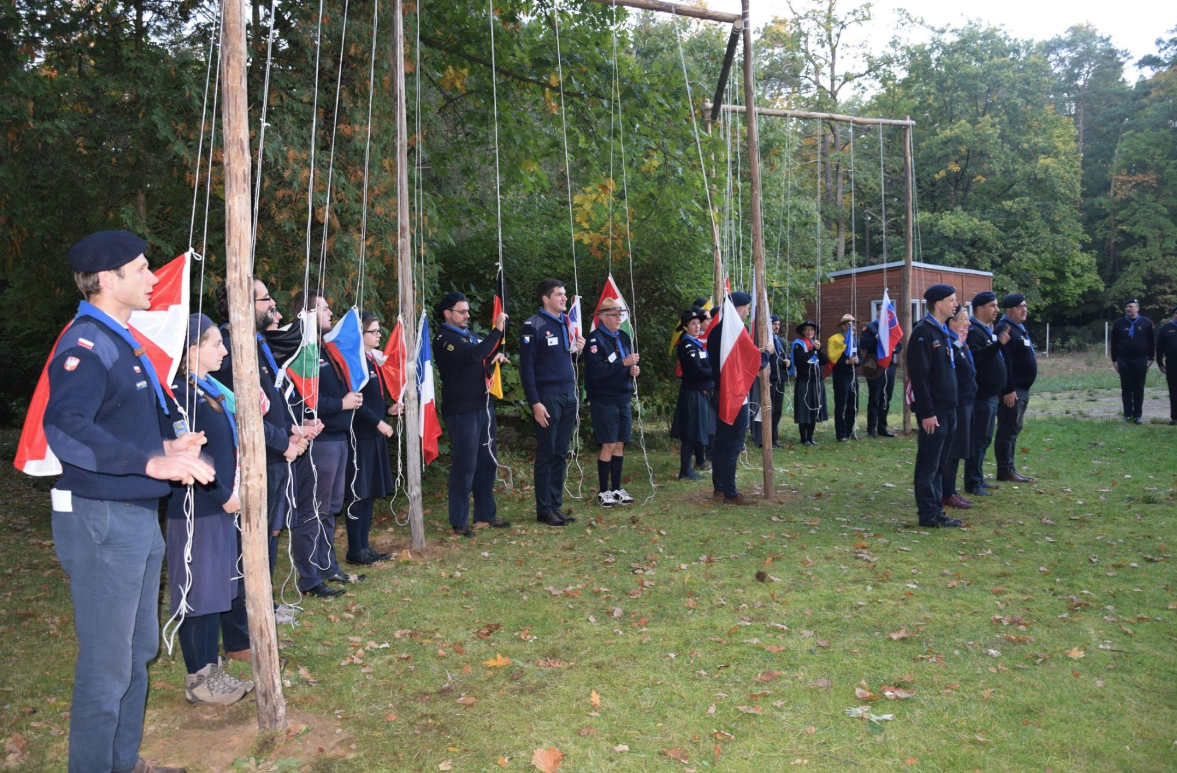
<point x="374" y="478"/>
<point x="214" y="566"/>
<point x="692" y="416"/>
<point x="809" y="401"/>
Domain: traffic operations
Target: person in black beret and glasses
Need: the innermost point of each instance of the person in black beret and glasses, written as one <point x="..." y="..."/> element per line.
<point x="961" y="445"/>
<point x="464" y="359"/>
<point x="729" y="438"/>
<point x="546" y="369"/>
<point x="1133" y="344"/>
<point x="1167" y="360"/>
<point x="693" y="413"/>
<point x="880" y="382"/>
<point x="103" y="422"/>
<point x="1021" y="368"/>
<point x="931" y="366"/>
<point x="610" y="367"/>
<point x="809" y="389"/>
<point x="779" y="366"/>
<point x="202" y="569"/>
<point x="985" y="344"/>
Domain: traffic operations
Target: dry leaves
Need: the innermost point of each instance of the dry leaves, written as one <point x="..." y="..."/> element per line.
<point x="446" y="765"/>
<point x="865" y="695"/>
<point x="902" y="633"/>
<point x="1075" y="653"/>
<point x="498" y="661"/>
<point x="751" y="709"/>
<point x="768" y="676"/>
<point x="595" y="699"/>
<point x="676" y="753"/>
<point x="547" y="760"/>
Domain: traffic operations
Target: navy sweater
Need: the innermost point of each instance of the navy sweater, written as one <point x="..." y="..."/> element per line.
<point x="606" y="380"/>
<point x="966" y="377"/>
<point x="219" y="450"/>
<point x="545" y="367"/>
<point x="1133" y="340"/>
<point x="988" y="360"/>
<point x="375" y="406"/>
<point x="929" y="365"/>
<point x="459" y="357"/>
<point x="102" y="418"/>
<point x="1021" y="364"/>
<point x="332" y="390"/>
<point x="695" y="364"/>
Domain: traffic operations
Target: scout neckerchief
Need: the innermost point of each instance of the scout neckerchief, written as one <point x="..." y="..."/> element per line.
<point x="617" y="343"/>
<point x="1019" y="326"/>
<point x="384" y="389"/>
<point x="988" y="332"/>
<point x="464" y="333"/>
<point x="562" y="321"/>
<point x="221" y="394"/>
<point x="1131" y="324"/>
<point x="694" y="340"/>
<point x="964" y="349"/>
<point x="265" y="347"/>
<point x="948" y="333"/>
<point x="87" y="309"/>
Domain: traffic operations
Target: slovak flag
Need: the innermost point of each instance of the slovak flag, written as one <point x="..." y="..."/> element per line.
<point x="345" y="345"/>
<point x="739" y="363"/>
<point x="160" y="330"/>
<point x="430" y="427"/>
<point x="889" y="331"/>
<point x="575" y="327"/>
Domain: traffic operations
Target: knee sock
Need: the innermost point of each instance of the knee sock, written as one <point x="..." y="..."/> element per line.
<point x="198" y="640"/>
<point x="615" y="466"/>
<point x="603" y="469"/>
<point x="684" y="458"/>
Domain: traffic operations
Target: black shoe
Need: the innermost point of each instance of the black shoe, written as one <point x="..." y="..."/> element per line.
<point x="777" y="444"/>
<point x="464" y="531"/>
<point x="378" y="556"/>
<point x="979" y="492"/>
<point x="322" y="591"/>
<point x="842" y="438"/>
<point x="551" y="519"/>
<point x="871" y="433"/>
<point x="1173" y="423"/>
<point x="498" y="524"/>
<point x="363" y="558"/>
<point x="344" y="579"/>
<point x="947" y="522"/>
<point x="811" y="443"/>
<point x="690" y="476"/>
<point x="886" y="433"/>
<point x="567" y="517"/>
<point x="1137" y="420"/>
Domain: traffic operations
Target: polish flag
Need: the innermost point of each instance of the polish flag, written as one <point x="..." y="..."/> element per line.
<point x="739" y="363"/>
<point x="160" y="330"/>
<point x="889" y="331"/>
<point x="430" y="427"/>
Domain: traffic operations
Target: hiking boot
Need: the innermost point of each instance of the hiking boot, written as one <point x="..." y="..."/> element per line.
<point x="143" y="766"/>
<point x="739" y="499"/>
<point x="206" y="686"/>
<point x="229" y="679"/>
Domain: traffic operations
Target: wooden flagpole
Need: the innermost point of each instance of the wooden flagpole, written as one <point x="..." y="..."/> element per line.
<point x="259" y="597"/>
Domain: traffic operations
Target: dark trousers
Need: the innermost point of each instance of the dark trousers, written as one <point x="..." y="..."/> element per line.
<point x="729" y="443"/>
<point x="474" y="439"/>
<point x="234" y="623"/>
<point x="984" y="419"/>
<point x="778" y="408"/>
<point x="948" y="478"/>
<point x="756" y="417"/>
<point x="357" y="518"/>
<point x="279" y="502"/>
<point x="112" y="553"/>
<point x="878" y="400"/>
<point x="200" y="639"/>
<point x="931" y="454"/>
<point x="551" y="451"/>
<point x="1171" y="378"/>
<point x="845" y="404"/>
<point x="1009" y="426"/>
<point x="312" y="539"/>
<point x="1133" y="372"/>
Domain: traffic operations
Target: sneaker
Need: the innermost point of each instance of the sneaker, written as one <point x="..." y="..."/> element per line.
<point x="606" y="499"/>
<point x="205" y="686"/>
<point x="621" y="497"/>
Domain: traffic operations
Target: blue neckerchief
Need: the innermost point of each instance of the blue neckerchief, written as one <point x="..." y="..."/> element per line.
<point x="616" y="339"/>
<point x="1132" y="325"/>
<point x="959" y="345"/>
<point x="211" y="386"/>
<point x="851" y="345"/>
<point x="261" y="339"/>
<point x="989" y="332"/>
<point x="87" y="309"/>
<point x="562" y="321"/>
<point x="813" y="358"/>
<point x="464" y="333"/>
<point x="694" y="340"/>
<point x="1005" y="318"/>
<point x="948" y="333"/>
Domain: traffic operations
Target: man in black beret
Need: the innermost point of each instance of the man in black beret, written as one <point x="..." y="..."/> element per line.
<point x="463" y="360"/>
<point x="931" y="368"/>
<point x="778" y="377"/>
<point x="1167" y="360"/>
<point x="1021" y="369"/>
<point x="985" y="344"/>
<point x="102" y="421"/>
<point x="1133" y="342"/>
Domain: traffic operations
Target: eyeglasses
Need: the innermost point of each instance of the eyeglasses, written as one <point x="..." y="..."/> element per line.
<point x="264" y="299"/>
<point x="610" y="314"/>
<point x="375" y="332"/>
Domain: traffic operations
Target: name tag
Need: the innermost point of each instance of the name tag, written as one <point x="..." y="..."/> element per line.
<point x="702" y="355"/>
<point x="994" y="336"/>
<point x="1026" y="341"/>
<point x="613" y="357"/>
<point x="552" y="341"/>
<point x="63" y="501"/>
<point x="141" y="385"/>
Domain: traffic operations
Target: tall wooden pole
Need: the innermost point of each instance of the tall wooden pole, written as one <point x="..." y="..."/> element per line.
<point x="405" y="277"/>
<point x="259" y="598"/>
<point x="762" y="311"/>
<point x="905" y="319"/>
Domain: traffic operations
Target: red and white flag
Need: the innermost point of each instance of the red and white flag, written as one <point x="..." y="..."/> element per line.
<point x="612" y="291"/>
<point x="392" y="367"/>
<point x="739" y="363"/>
<point x="160" y="330"/>
<point x="430" y="427"/>
<point x="890" y="334"/>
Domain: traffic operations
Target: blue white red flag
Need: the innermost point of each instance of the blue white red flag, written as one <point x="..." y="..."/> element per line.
<point x="889" y="331"/>
<point x="345" y="345"/>
<point x="430" y="427"/>
<point x="573" y="317"/>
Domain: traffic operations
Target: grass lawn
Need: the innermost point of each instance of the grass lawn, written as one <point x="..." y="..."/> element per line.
<point x="736" y="639"/>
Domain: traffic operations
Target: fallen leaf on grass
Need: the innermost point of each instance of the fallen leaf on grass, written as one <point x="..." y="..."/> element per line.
<point x="547" y="760"/>
<point x="751" y="709"/>
<point x="305" y="673"/>
<point x="620" y="748"/>
<point x="768" y="676"/>
<point x="502" y="762"/>
<point x="912" y="760"/>
<point x="896" y="693"/>
<point x="723" y="735"/>
<point x="498" y="661"/>
<point x="676" y="753"/>
<point x="774" y="648"/>
<point x="390" y="718"/>
<point x="16" y="748"/>
<point x="467" y="700"/>
<point x="551" y="663"/>
<point x="902" y="633"/>
<point x="820" y="683"/>
<point x="595" y="699"/>
<point x="446" y="765"/>
<point x="865" y="695"/>
<point x="1075" y="653"/>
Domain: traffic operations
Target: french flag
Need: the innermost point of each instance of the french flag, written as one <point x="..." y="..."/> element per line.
<point x="345" y="345"/>
<point x="739" y="363"/>
<point x="430" y="427"/>
<point x="160" y="330"/>
<point x="889" y="331"/>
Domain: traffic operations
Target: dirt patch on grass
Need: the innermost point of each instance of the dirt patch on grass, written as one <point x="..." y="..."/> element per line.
<point x="1098" y="404"/>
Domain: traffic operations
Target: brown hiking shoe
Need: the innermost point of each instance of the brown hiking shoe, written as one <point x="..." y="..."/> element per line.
<point x="739" y="499"/>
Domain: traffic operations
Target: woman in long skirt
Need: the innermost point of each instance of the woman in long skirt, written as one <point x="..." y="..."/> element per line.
<point x="693" y="413"/>
<point x="966" y="392"/>
<point x="809" y="389"/>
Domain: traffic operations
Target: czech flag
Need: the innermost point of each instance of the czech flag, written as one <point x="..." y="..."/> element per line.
<point x="430" y="428"/>
<point x="494" y="381"/>
<point x="393" y="365"/>
<point x="160" y="330"/>
<point x="612" y="291"/>
<point x="739" y="363"/>
<point x="889" y="331"/>
<point x="345" y="345"/>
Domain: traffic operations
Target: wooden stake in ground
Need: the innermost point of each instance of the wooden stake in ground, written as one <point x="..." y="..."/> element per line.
<point x="905" y="319"/>
<point x="763" y="328"/>
<point x="259" y="598"/>
<point x="405" y="277"/>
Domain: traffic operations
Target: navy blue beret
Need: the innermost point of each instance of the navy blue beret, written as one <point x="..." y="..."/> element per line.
<point x="938" y="292"/>
<point x="741" y="299"/>
<point x="1011" y="300"/>
<point x="774" y="317"/>
<point x="1131" y="300"/>
<point x="105" y="251"/>
<point x="197" y="324"/>
<point x="983" y="297"/>
<point x="449" y="300"/>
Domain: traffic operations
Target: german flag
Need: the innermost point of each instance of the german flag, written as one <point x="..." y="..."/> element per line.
<point x="494" y="377"/>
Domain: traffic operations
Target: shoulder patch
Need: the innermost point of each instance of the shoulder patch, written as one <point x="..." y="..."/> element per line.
<point x="449" y="347"/>
<point x="86" y="343"/>
<point x="71" y="363"/>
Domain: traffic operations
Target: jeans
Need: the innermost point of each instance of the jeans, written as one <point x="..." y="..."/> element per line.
<point x="474" y="445"/>
<point x="1009" y="426"/>
<point x="878" y="400"/>
<point x="845" y="404"/>
<point x="313" y="537"/>
<point x="931" y="454"/>
<point x="1133" y="373"/>
<point x="729" y="443"/>
<point x="112" y="552"/>
<point x="984" y="418"/>
<point x="551" y="451"/>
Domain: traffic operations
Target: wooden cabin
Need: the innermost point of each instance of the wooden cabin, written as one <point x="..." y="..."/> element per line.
<point x="859" y="291"/>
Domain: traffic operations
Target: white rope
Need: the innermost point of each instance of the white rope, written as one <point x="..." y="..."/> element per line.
<point x="261" y="140"/>
<point x="711" y="214"/>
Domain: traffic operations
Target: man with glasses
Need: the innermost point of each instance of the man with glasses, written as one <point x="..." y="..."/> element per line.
<point x="611" y="365"/>
<point x="464" y="359"/>
<point x="1021" y="365"/>
<point x="1133" y="343"/>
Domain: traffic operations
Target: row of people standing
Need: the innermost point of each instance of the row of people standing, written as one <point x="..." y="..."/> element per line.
<point x="1134" y="343"/>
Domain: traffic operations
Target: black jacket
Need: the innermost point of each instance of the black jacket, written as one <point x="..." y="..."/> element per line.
<point x="545" y="364"/>
<point x="1167" y="345"/>
<point x="777" y="372"/>
<point x="1131" y="341"/>
<point x="695" y="364"/>
<point x="279" y="418"/>
<point x="1021" y="364"/>
<point x="929" y="366"/>
<point x="806" y="371"/>
<point x="606" y="379"/>
<point x="966" y="376"/>
<point x="988" y="360"/>
<point x="460" y="357"/>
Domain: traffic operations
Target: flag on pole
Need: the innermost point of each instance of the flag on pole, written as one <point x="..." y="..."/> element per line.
<point x="494" y="381"/>
<point x="301" y="366"/>
<point x="430" y="427"/>
<point x="612" y="291"/>
<point x="889" y="331"/>
<point x="575" y="320"/>
<point x="160" y="330"/>
<point x="393" y="366"/>
<point x="345" y="346"/>
<point x="739" y="363"/>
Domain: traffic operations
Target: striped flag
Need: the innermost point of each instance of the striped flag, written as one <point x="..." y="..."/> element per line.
<point x="613" y="291"/>
<point x="739" y="363"/>
<point x="430" y="427"/>
<point x="494" y="381"/>
<point x="393" y="366"/>
<point x="890" y="334"/>
<point x="345" y="345"/>
<point x="301" y="366"/>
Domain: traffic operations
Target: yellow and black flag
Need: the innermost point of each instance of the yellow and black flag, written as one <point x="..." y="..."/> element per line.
<point x="494" y="378"/>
